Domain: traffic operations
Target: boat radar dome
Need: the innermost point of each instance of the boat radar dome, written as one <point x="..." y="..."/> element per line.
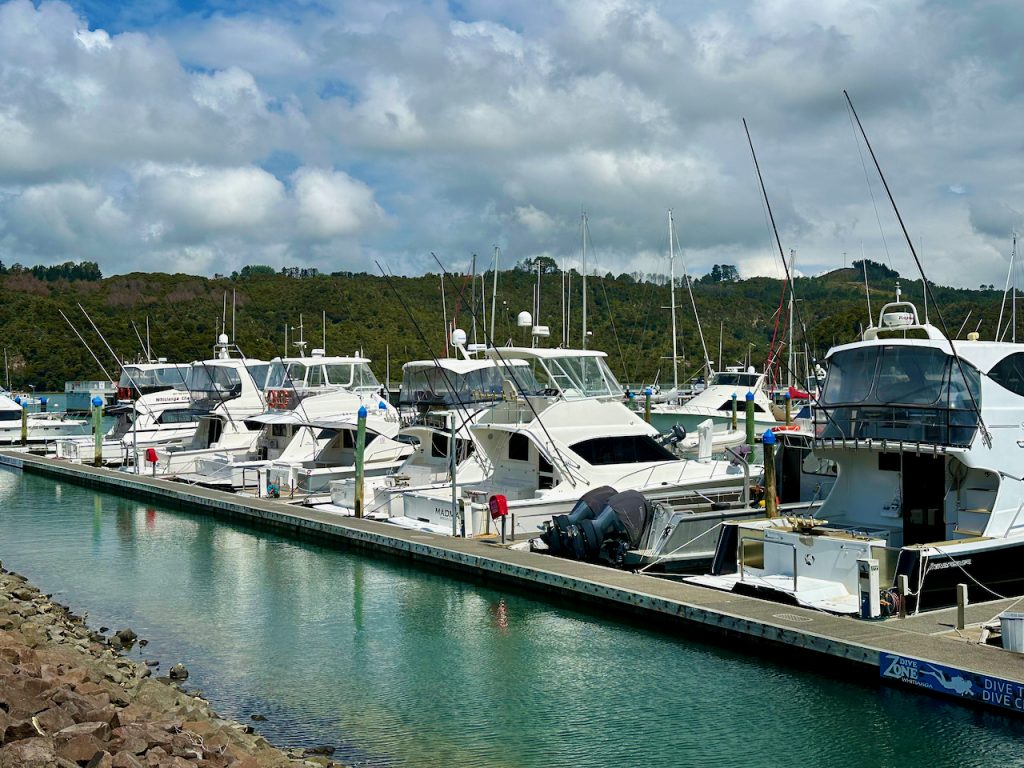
<point x="459" y="337"/>
<point x="524" y="320"/>
<point x="751" y="369"/>
<point x="222" y="339"/>
<point x="317" y="353"/>
<point x="898" y="319"/>
<point x="541" y="330"/>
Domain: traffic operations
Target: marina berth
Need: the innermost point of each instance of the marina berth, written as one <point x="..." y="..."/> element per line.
<point x="926" y="435"/>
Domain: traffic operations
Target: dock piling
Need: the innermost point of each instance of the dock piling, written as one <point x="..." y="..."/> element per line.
<point x="97" y="431"/>
<point x="771" y="506"/>
<point x="750" y="419"/>
<point x="24" y="424"/>
<point x="360" y="450"/>
<point x="961" y="606"/>
<point x="734" y="419"/>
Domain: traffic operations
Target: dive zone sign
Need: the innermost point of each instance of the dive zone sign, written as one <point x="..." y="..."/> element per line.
<point x="951" y="681"/>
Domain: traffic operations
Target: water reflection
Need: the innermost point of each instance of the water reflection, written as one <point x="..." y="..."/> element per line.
<point x="398" y="666"/>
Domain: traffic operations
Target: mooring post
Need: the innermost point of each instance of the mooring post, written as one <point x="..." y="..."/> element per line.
<point x="750" y="419"/>
<point x="24" y="424"/>
<point x="789" y="408"/>
<point x="961" y="606"/>
<point x="734" y="419"/>
<point x="97" y="431"/>
<point x="360" y="449"/>
<point x="647" y="405"/>
<point x="771" y="506"/>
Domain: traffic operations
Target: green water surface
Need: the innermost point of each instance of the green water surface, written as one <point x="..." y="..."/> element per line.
<point x="393" y="665"/>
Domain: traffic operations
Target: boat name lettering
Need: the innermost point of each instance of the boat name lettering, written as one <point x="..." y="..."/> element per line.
<point x="948" y="564"/>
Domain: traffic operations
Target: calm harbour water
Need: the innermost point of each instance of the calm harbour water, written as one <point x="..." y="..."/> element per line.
<point x="394" y="665"/>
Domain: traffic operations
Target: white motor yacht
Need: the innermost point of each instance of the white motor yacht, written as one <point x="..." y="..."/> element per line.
<point x="41" y="427"/>
<point x="715" y="402"/>
<point x="928" y="441"/>
<point x="438" y="397"/>
<point x="546" y="448"/>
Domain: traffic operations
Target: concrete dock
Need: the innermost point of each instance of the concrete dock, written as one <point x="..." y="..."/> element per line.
<point x="922" y="652"/>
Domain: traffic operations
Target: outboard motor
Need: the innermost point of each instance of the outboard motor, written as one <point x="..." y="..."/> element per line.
<point x="603" y="536"/>
<point x="558" y="538"/>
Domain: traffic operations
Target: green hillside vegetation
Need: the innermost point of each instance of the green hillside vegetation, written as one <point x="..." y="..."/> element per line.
<point x="625" y="313"/>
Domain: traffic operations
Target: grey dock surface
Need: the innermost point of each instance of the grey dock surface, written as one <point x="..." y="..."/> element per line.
<point x="924" y="653"/>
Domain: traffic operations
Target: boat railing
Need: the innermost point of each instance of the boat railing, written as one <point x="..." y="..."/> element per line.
<point x="895" y="423"/>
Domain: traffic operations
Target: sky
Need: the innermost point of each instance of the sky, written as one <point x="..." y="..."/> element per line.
<point x="180" y="135"/>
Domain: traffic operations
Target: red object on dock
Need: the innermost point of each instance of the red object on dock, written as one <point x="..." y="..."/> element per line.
<point x="498" y="505"/>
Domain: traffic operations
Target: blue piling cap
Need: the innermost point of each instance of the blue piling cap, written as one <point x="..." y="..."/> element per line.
<point x="769" y="437"/>
<point x="17" y="399"/>
<point x="749" y="395"/>
<point x="648" y="392"/>
<point x="631" y="395"/>
<point x="362" y="412"/>
<point x="44" y="400"/>
<point x="733" y="395"/>
<point x="382" y="406"/>
<point x="786" y="396"/>
<point x="97" y="401"/>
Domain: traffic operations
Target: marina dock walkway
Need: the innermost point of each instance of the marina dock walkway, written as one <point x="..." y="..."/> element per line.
<point x="924" y="652"/>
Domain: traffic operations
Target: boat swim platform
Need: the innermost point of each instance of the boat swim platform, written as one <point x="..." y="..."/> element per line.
<point x="924" y="653"/>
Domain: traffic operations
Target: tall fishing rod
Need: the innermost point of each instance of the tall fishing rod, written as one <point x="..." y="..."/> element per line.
<point x="85" y="344"/>
<point x="141" y="343"/>
<point x="785" y="266"/>
<point x="533" y="410"/>
<point x="985" y="436"/>
<point x="427" y="345"/>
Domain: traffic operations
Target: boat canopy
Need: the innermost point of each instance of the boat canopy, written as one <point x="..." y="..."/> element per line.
<point x="573" y="373"/>
<point x="904" y="392"/>
<point x="458" y="382"/>
<point x="313" y="372"/>
<point x="736" y="379"/>
<point x="165" y="376"/>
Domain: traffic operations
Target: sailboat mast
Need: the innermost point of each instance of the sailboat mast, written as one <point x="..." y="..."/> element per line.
<point x="494" y="291"/>
<point x="1006" y="290"/>
<point x="792" y="353"/>
<point x="7" y="371"/>
<point x="672" y="293"/>
<point x="584" y="233"/>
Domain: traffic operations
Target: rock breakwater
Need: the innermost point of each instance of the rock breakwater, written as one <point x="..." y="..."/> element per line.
<point x="68" y="698"/>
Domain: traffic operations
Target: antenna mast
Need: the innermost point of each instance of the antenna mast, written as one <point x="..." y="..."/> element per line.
<point x="672" y="294"/>
<point x="583" y="229"/>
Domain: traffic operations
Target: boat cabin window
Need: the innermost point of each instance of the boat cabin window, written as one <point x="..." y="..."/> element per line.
<point x="11" y="415"/>
<point x="735" y="379"/>
<point x="575" y="376"/>
<point x="213" y="381"/>
<point x="315" y="376"/>
<point x="519" y="447"/>
<point x="296" y="375"/>
<point x="432" y="386"/>
<point x="1009" y="373"/>
<point x="179" y="416"/>
<point x="259" y="372"/>
<point x="157" y="378"/>
<point x="901" y="392"/>
<point x="629" y="449"/>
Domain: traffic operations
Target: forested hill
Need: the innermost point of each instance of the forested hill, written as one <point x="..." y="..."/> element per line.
<point x="626" y="314"/>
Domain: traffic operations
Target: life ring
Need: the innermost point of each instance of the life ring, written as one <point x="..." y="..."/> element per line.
<point x="787" y="428"/>
<point x="124" y="393"/>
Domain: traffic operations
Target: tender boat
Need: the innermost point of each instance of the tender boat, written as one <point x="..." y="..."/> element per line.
<point x="726" y="389"/>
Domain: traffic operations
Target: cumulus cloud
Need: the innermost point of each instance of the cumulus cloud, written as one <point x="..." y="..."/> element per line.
<point x="327" y="134"/>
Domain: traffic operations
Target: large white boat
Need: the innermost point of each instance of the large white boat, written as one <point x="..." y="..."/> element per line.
<point x="716" y="402"/>
<point x="546" y="448"/>
<point x="41" y="427"/>
<point x="439" y="397"/>
<point x="927" y="438"/>
<point x="225" y="391"/>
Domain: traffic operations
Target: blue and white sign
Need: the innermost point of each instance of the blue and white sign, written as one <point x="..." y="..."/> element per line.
<point x="983" y="689"/>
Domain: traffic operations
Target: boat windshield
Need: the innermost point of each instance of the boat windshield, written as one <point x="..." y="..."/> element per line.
<point x="901" y="392"/>
<point x="432" y="386"/>
<point x="165" y="377"/>
<point x="735" y="379"/>
<point x="575" y="376"/>
<point x="351" y="376"/>
<point x="213" y="381"/>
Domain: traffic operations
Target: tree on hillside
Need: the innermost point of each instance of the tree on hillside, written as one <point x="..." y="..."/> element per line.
<point x="876" y="271"/>
<point x="721" y="273"/>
